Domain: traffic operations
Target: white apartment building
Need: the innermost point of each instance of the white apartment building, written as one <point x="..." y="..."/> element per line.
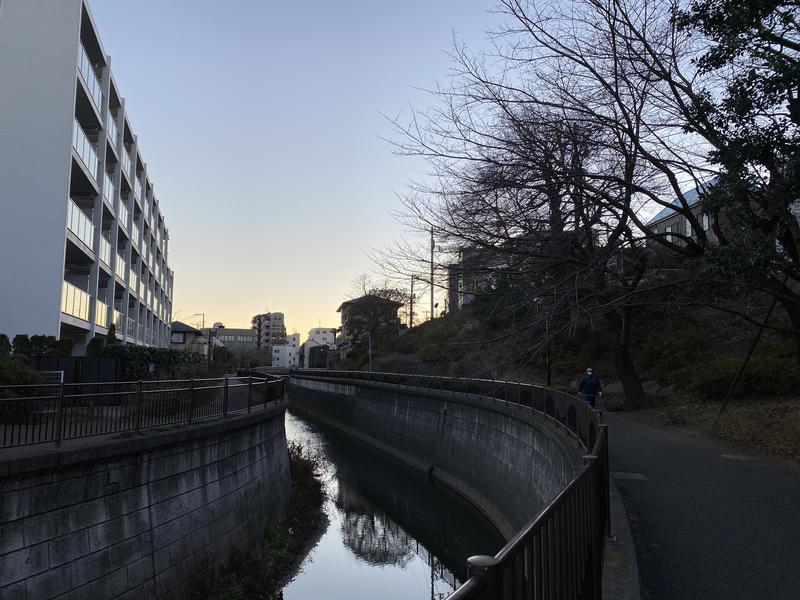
<point x="319" y="336"/>
<point x="83" y="243"/>
<point x="285" y="356"/>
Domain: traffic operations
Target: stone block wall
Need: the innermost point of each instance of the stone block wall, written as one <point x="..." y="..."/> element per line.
<point x="140" y="518"/>
<point x="508" y="461"/>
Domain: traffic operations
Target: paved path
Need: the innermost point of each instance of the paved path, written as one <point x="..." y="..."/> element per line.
<point x="708" y="521"/>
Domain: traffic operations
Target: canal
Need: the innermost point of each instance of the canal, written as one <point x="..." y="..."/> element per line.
<point x="392" y="533"/>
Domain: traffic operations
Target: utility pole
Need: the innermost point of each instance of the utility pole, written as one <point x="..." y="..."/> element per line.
<point x="433" y="245"/>
<point x="411" y="305"/>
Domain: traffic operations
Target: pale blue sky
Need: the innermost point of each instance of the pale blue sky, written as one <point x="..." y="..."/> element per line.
<point x="260" y="123"/>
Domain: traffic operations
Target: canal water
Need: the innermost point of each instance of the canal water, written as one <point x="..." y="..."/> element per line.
<point x="392" y="533"/>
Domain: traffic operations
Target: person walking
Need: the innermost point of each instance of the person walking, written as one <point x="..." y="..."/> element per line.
<point x="590" y="387"/>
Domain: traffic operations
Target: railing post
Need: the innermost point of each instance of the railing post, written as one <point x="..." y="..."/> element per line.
<point x="191" y="400"/>
<point x="487" y="568"/>
<point x="266" y="392"/>
<point x="60" y="418"/>
<point x="225" y="399"/>
<point x="249" y="393"/>
<point x="139" y="406"/>
<point x="606" y="469"/>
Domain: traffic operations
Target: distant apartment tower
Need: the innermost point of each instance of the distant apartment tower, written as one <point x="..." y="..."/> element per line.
<point x="82" y="236"/>
<point x="270" y="330"/>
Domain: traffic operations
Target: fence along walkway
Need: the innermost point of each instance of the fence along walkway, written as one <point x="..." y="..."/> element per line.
<point x="33" y="414"/>
<point x="559" y="554"/>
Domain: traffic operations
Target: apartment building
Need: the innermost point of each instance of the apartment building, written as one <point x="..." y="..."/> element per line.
<point x="83" y="240"/>
<point x="317" y="337"/>
<point x="270" y="330"/>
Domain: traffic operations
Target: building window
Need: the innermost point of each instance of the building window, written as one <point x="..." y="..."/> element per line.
<point x="705" y="221"/>
<point x="177" y="338"/>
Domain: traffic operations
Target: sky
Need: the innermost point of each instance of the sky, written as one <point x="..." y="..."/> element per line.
<point x="261" y="125"/>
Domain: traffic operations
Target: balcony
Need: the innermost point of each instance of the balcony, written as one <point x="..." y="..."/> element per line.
<point x="137" y="188"/>
<point x="111" y="129"/>
<point x="135" y="233"/>
<point x="74" y="301"/>
<point x="119" y="322"/>
<point x="122" y="214"/>
<point x="90" y="78"/>
<point x="142" y="290"/>
<point x="100" y="314"/>
<point x="126" y="162"/>
<point x="130" y="328"/>
<point x="140" y="333"/>
<point x="105" y="251"/>
<point x="79" y="224"/>
<point x="109" y="191"/>
<point x="119" y="268"/>
<point x="85" y="149"/>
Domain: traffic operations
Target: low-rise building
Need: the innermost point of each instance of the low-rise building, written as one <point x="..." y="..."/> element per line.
<point x="285" y="356"/>
<point x="188" y="339"/>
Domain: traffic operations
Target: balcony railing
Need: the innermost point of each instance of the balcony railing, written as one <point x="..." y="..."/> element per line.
<point x="140" y="332"/>
<point x="79" y="224"/>
<point x="90" y="77"/>
<point x="119" y="321"/>
<point x="126" y="162"/>
<point x="109" y="191"/>
<point x="74" y="301"/>
<point x="84" y="148"/>
<point x="131" y="328"/>
<point x="134" y="281"/>
<point x="135" y="233"/>
<point x="105" y="251"/>
<point x="119" y="268"/>
<point x="122" y="213"/>
<point x="146" y="209"/>
<point x="137" y="188"/>
<point x="111" y="129"/>
<point x="142" y="289"/>
<point x="100" y="314"/>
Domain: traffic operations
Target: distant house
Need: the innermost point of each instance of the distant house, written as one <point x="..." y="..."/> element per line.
<point x="670" y="223"/>
<point x="369" y="314"/>
<point x="186" y="338"/>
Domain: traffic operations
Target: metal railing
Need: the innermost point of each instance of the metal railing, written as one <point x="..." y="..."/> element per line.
<point x="35" y="414"/>
<point x="84" y="148"/>
<point x="120" y="266"/>
<point x="109" y="191"/>
<point x="74" y="301"/>
<point x="111" y="129"/>
<point x="105" y="251"/>
<point x="80" y="224"/>
<point x="559" y="554"/>
<point x="100" y="313"/>
<point x="90" y="78"/>
<point x="126" y="162"/>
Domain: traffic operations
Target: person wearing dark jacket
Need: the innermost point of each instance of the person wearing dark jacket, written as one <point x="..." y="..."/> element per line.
<point x="590" y="387"/>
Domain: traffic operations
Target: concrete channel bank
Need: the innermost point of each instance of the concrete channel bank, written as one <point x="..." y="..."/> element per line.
<point x="141" y="517"/>
<point x="507" y="461"/>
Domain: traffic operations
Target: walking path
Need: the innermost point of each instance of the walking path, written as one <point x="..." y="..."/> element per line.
<point x="708" y="521"/>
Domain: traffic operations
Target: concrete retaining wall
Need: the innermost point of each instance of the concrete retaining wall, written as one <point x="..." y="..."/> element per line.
<point x="507" y="461"/>
<point x="140" y="518"/>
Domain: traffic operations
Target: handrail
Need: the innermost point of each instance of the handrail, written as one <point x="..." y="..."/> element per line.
<point x="37" y="413"/>
<point x="559" y="553"/>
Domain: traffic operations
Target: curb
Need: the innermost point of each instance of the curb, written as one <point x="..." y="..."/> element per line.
<point x="620" y="569"/>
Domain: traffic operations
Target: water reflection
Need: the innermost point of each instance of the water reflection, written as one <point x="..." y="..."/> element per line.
<point x="392" y="532"/>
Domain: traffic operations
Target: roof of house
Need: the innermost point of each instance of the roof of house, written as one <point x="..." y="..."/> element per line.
<point x="372" y="297"/>
<point x="692" y="197"/>
<point x="178" y="327"/>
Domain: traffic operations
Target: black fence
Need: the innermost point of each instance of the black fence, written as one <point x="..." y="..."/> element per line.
<point x="35" y="414"/>
<point x="81" y="369"/>
<point x="559" y="554"/>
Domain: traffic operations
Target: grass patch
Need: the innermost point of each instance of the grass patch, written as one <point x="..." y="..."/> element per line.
<point x="762" y="425"/>
<point x="263" y="572"/>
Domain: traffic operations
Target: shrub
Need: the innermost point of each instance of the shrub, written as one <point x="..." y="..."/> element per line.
<point x="765" y="375"/>
<point x="14" y="370"/>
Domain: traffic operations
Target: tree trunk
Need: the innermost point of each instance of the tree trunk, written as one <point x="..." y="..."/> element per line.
<point x="791" y="302"/>
<point x="635" y="396"/>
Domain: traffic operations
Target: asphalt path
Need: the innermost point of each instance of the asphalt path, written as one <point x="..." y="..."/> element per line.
<point x="708" y="520"/>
